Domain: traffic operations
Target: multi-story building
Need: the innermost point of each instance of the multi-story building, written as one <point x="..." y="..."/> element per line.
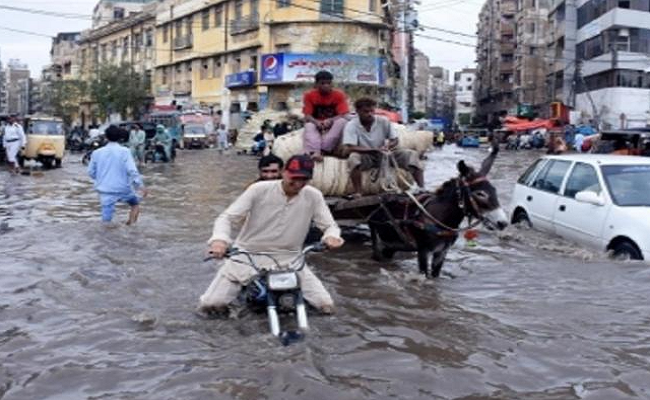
<point x="250" y="54"/>
<point x="3" y="90"/>
<point x="561" y="51"/>
<point x="464" y="97"/>
<point x="530" y="54"/>
<point x="612" y="47"/>
<point x="441" y="95"/>
<point x="495" y="57"/>
<point x="129" y="40"/>
<point x="64" y="56"/>
<point x="108" y="11"/>
<point x="421" y="89"/>
<point x="18" y="87"/>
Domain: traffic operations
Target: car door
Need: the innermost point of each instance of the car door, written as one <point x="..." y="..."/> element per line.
<point x="543" y="196"/>
<point x="578" y="221"/>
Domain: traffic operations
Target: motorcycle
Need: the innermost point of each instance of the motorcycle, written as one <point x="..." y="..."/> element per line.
<point x="93" y="145"/>
<point x="277" y="291"/>
<point x="155" y="152"/>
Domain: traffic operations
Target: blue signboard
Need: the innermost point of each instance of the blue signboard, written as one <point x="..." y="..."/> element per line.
<point x="240" y="79"/>
<point x="293" y="67"/>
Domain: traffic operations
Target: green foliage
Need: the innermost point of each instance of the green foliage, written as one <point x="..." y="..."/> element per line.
<point x="464" y="119"/>
<point x="119" y="89"/>
<point x="66" y="96"/>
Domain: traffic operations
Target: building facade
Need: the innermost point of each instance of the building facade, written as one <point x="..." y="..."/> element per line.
<point x="109" y="11"/>
<point x="494" y="88"/>
<point x="3" y="89"/>
<point x="251" y="54"/>
<point x="441" y="95"/>
<point x="130" y="40"/>
<point x="421" y="87"/>
<point x="64" y="56"/>
<point x="612" y="55"/>
<point x="530" y="55"/>
<point x="18" y="87"/>
<point x="561" y="51"/>
<point x="464" y="97"/>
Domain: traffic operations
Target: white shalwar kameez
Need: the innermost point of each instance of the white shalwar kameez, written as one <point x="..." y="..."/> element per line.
<point x="13" y="140"/>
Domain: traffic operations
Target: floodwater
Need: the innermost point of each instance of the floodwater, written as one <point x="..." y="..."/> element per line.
<point x="88" y="311"/>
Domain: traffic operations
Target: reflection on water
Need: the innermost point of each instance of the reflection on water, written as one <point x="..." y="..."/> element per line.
<point x="88" y="311"/>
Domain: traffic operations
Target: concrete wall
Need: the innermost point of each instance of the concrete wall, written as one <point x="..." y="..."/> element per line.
<point x="612" y="102"/>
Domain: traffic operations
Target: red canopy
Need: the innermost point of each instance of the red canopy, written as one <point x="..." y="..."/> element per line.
<point x="519" y="124"/>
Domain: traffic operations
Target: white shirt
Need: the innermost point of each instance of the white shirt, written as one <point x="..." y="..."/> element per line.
<point x="356" y="134"/>
<point x="14" y="133"/>
<point x="270" y="221"/>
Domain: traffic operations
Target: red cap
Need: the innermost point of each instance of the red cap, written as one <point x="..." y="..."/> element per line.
<point x="300" y="166"/>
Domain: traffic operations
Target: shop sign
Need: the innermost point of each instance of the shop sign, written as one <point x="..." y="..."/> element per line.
<point x="240" y="79"/>
<point x="290" y="67"/>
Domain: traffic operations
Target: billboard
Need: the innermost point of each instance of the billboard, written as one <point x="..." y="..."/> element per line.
<point x="348" y="68"/>
<point x="240" y="79"/>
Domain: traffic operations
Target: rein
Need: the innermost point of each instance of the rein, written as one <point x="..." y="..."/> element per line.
<point x="463" y="186"/>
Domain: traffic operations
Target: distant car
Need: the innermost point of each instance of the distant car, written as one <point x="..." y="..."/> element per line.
<point x="469" y="141"/>
<point x="601" y="201"/>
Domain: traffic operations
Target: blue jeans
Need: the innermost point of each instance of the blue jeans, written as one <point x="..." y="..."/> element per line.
<point x="108" y="201"/>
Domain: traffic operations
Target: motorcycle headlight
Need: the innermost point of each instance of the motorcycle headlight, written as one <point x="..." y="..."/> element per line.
<point x="283" y="280"/>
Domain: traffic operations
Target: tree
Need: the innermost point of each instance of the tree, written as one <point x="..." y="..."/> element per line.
<point x="119" y="89"/>
<point x="65" y="98"/>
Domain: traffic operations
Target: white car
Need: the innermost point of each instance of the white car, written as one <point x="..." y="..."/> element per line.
<point x="601" y="201"/>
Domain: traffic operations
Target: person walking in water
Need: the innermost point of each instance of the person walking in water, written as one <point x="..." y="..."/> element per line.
<point x="116" y="176"/>
<point x="13" y="140"/>
<point x="137" y="138"/>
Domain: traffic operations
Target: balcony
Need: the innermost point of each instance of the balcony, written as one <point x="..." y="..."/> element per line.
<point x="506" y="66"/>
<point x="507" y="48"/>
<point x="183" y="42"/>
<point x="245" y="24"/>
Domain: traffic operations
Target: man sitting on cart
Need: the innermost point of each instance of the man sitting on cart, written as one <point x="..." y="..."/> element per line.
<point x="367" y="138"/>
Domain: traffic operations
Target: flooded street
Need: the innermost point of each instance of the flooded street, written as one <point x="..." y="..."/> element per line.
<point x="88" y="311"/>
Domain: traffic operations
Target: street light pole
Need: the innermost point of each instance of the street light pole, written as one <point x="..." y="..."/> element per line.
<point x="405" y="64"/>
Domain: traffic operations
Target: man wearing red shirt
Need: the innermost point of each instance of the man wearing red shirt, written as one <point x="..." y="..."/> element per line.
<point x="325" y="111"/>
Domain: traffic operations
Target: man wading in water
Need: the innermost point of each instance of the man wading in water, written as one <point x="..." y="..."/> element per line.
<point x="274" y="216"/>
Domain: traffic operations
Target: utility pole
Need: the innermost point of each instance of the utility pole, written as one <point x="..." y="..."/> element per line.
<point x="407" y="24"/>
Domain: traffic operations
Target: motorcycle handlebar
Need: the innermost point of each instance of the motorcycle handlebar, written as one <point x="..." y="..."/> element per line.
<point x="233" y="251"/>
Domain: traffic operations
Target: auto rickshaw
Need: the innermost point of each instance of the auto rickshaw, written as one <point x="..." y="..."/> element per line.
<point x="45" y="141"/>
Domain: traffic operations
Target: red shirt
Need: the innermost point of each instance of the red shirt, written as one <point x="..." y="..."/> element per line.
<point x="323" y="107"/>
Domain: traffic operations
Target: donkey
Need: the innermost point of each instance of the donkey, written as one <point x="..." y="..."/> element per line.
<point x="428" y="223"/>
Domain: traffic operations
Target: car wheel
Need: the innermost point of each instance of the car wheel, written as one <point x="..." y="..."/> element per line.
<point x="626" y="250"/>
<point x="521" y="217"/>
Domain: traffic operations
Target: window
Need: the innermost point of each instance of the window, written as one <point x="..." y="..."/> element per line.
<point x="218" y="16"/>
<point x="204" y="69"/>
<point x="104" y="52"/>
<point x="188" y="25"/>
<point x="118" y="13"/>
<point x="253" y="62"/>
<point x="284" y="3"/>
<point x="583" y="177"/>
<point x="239" y="6"/>
<point x="331" y="47"/>
<point x="125" y="46"/>
<point x="624" y="4"/>
<point x="216" y="67"/>
<point x="550" y="178"/>
<point x="149" y="38"/>
<point x="205" y="20"/>
<point x="255" y="7"/>
<point x="179" y="28"/>
<point x="530" y="28"/>
<point x="526" y="177"/>
<point x="114" y="49"/>
<point x="332" y="7"/>
<point x="372" y="5"/>
<point x="165" y="33"/>
<point x="163" y="76"/>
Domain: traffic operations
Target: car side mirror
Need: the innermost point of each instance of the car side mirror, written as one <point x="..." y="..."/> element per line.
<point x="587" y="196"/>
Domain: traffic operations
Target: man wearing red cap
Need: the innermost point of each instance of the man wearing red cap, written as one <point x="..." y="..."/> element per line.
<point x="274" y="216"/>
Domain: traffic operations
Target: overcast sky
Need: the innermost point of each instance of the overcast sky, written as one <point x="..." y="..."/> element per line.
<point x="456" y="15"/>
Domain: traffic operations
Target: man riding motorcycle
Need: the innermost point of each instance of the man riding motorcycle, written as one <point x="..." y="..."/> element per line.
<point x="162" y="141"/>
<point x="275" y="216"/>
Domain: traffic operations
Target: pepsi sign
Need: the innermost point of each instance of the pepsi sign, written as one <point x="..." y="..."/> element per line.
<point x="272" y="67"/>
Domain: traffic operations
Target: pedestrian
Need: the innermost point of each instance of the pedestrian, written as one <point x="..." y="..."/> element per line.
<point x="13" y="140"/>
<point x="274" y="217"/>
<point x="116" y="177"/>
<point x="326" y="113"/>
<point x="222" y="138"/>
<point x="137" y="138"/>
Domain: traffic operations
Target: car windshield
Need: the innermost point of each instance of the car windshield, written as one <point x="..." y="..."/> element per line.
<point x="196" y="129"/>
<point x="629" y="185"/>
<point x="47" y="127"/>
